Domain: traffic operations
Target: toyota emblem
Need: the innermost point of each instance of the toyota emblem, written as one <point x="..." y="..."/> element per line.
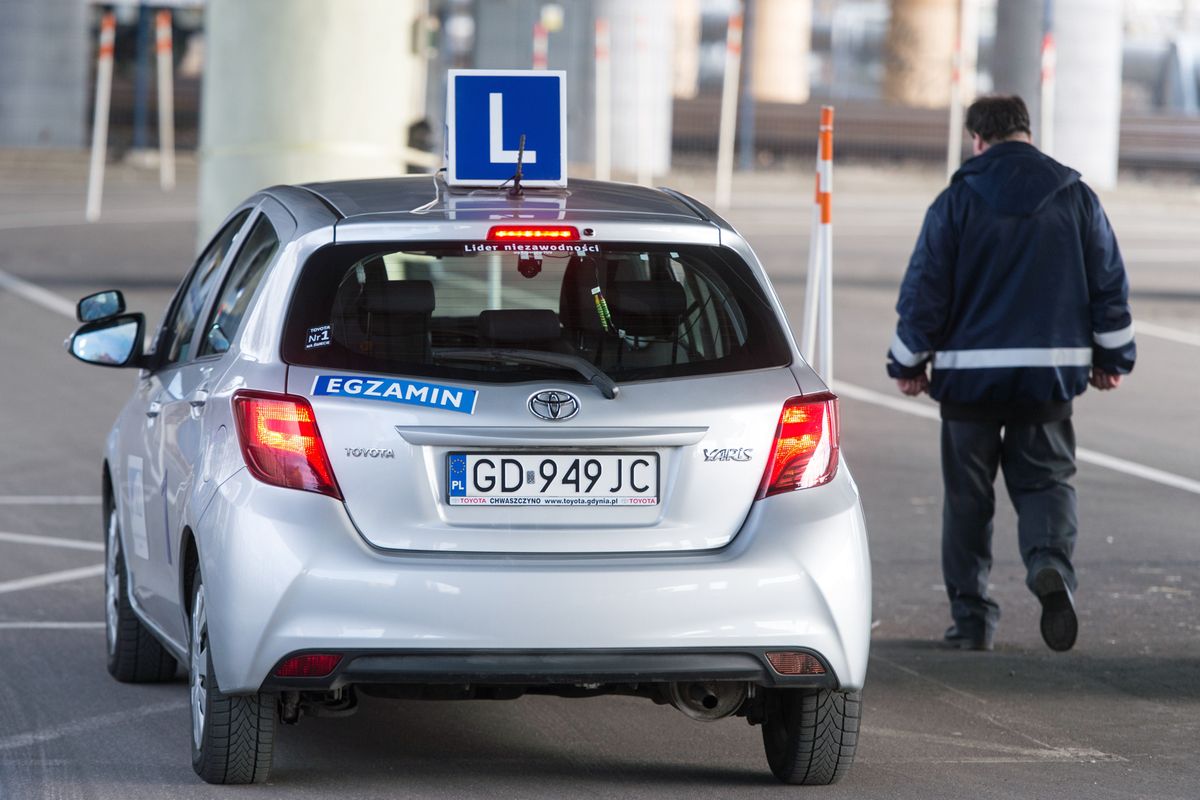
<point x="553" y="405"/>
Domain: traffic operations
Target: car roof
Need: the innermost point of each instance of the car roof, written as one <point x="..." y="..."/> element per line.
<point x="423" y="195"/>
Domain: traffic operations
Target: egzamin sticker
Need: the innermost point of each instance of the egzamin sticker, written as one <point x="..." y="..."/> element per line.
<point x="397" y="390"/>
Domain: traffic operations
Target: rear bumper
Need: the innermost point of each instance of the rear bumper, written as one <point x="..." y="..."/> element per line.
<point x="546" y="668"/>
<point x="286" y="572"/>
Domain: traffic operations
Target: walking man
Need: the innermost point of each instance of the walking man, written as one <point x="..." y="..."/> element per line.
<point x="1016" y="292"/>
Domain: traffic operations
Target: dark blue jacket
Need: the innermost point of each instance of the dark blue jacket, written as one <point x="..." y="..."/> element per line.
<point x="1016" y="286"/>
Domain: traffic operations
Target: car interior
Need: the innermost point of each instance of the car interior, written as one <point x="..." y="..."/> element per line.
<point x="644" y="322"/>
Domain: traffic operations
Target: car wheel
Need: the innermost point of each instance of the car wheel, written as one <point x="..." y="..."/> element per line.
<point x="134" y="655"/>
<point x="810" y="734"/>
<point x="233" y="736"/>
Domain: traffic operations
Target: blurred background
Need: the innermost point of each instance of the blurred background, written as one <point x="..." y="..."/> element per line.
<point x="266" y="91"/>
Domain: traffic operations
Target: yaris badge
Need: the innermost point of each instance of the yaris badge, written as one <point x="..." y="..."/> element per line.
<point x="553" y="405"/>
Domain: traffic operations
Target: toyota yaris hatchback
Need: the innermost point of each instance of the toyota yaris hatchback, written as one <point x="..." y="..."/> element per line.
<point x="397" y="441"/>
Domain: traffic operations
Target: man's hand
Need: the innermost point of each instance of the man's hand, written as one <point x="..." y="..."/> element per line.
<point x="914" y="386"/>
<point x="1105" y="380"/>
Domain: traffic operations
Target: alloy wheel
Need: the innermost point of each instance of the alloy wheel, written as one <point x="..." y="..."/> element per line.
<point x="112" y="583"/>
<point x="198" y="667"/>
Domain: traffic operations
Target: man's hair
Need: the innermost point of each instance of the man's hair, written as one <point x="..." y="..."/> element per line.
<point x="997" y="117"/>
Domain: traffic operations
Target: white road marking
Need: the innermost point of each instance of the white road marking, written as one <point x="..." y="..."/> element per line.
<point x="928" y="410"/>
<point x="955" y="699"/>
<point x="1009" y="753"/>
<point x="1082" y="757"/>
<point x="51" y="626"/>
<point x="36" y="294"/>
<point x="1137" y="470"/>
<point x="51" y="578"/>
<point x="49" y="499"/>
<point x="1160" y="255"/>
<point x="1164" y="332"/>
<point x="63" y="219"/>
<point x="88" y="724"/>
<point x="51" y="541"/>
<point x="913" y="673"/>
<point x="917" y="408"/>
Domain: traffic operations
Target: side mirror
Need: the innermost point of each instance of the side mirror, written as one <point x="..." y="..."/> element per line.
<point x="112" y="342"/>
<point x="100" y="305"/>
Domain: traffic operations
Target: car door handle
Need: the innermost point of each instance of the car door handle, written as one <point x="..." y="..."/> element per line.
<point x="153" y="409"/>
<point x="198" y="398"/>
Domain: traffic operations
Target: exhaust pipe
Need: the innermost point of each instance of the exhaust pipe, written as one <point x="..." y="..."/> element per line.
<point x="706" y="701"/>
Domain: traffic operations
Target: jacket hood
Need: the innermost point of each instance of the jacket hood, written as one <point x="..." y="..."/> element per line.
<point x="1015" y="178"/>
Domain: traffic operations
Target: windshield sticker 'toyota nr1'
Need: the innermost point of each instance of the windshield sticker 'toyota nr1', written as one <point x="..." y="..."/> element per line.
<point x="317" y="337"/>
<point x="397" y="390"/>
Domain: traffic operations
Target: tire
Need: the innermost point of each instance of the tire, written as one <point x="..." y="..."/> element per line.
<point x="134" y="655"/>
<point x="233" y="736"/>
<point x="810" y="735"/>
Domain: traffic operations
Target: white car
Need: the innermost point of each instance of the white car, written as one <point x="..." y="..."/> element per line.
<point x="398" y="440"/>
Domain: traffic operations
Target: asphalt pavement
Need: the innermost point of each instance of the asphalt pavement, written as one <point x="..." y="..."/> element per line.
<point x="1117" y="717"/>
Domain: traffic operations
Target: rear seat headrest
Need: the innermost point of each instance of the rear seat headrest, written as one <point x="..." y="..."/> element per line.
<point x="508" y="326"/>
<point x="400" y="297"/>
<point x="647" y="308"/>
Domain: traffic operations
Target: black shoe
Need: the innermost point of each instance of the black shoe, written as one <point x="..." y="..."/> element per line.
<point x="1060" y="626"/>
<point x="961" y="640"/>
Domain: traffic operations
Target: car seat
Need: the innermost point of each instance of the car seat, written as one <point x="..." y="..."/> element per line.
<point x="529" y="329"/>
<point x="384" y="319"/>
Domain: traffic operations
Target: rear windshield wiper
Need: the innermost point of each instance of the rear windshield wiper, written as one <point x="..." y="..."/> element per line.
<point x="607" y="386"/>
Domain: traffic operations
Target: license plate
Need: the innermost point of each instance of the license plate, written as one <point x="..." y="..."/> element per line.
<point x="552" y="479"/>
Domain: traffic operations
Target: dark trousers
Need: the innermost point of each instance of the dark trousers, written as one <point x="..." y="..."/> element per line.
<point x="1038" y="461"/>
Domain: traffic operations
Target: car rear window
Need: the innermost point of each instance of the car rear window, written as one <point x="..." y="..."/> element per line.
<point x="638" y="312"/>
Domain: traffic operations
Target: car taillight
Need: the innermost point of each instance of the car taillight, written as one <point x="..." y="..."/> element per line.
<point x="281" y="444"/>
<point x="511" y="233"/>
<point x="310" y="665"/>
<point x="791" y="663"/>
<point x="805" y="452"/>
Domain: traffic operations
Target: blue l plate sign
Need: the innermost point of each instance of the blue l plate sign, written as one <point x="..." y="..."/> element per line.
<point x="487" y="111"/>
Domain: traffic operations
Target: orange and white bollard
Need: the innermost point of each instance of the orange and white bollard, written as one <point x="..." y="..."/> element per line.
<point x="954" y="141"/>
<point x="541" y="46"/>
<point x="728" y="125"/>
<point x="817" y="341"/>
<point x="163" y="48"/>
<point x="104" y="73"/>
<point x="1046" y="118"/>
<point x="603" y="101"/>
<point x="962" y="79"/>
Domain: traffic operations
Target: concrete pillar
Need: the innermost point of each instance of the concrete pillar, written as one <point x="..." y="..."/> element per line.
<point x="746" y="101"/>
<point x="1087" y="116"/>
<point x="687" y="48"/>
<point x="782" y="36"/>
<point x="920" y="52"/>
<point x="305" y="90"/>
<point x="504" y="40"/>
<point x="1017" y="54"/>
<point x="642" y="53"/>
<point x="45" y="48"/>
<point x="968" y="30"/>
